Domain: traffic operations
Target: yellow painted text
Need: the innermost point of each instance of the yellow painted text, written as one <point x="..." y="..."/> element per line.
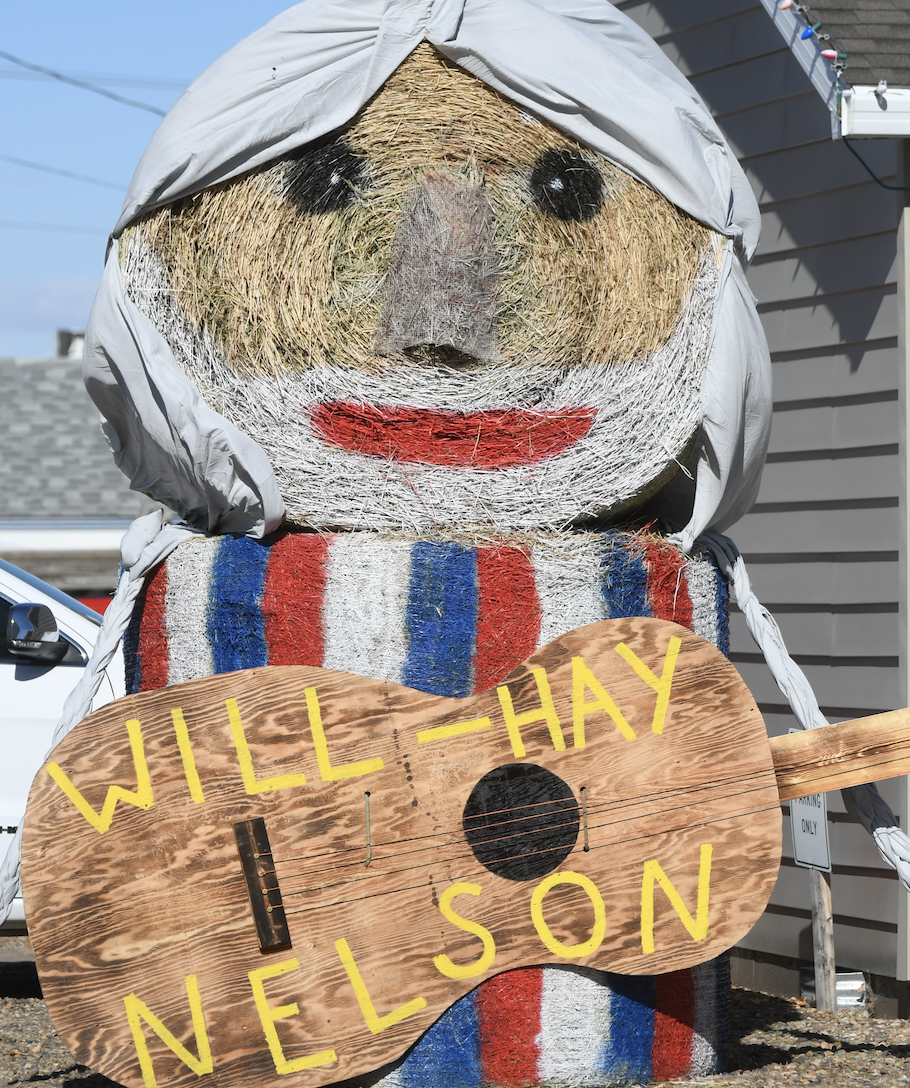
<point x="442" y="963"/>
<point x="546" y="713"/>
<point x="697" y="928"/>
<point x="268" y="1016"/>
<point x="251" y="783"/>
<point x="599" y="929"/>
<point x="328" y="772"/>
<point x="137" y="1011"/>
<point x="186" y="754"/>
<point x="457" y="729"/>
<point x="662" y="685"/>
<point x="374" y="1022"/>
<point x="582" y="679"/>
<point x="142" y="797"/>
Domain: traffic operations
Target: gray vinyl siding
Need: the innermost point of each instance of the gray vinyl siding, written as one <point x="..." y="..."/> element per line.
<point x="822" y="543"/>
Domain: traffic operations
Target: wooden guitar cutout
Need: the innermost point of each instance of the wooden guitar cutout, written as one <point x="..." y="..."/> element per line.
<point x="294" y="871"/>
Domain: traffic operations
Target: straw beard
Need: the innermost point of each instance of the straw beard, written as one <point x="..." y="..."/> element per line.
<point x="617" y="432"/>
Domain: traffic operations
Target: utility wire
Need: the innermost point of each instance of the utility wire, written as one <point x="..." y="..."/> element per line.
<point x="62" y="173"/>
<point x="148" y="82"/>
<point x="869" y="171"/>
<point x="81" y="83"/>
<point x="58" y="228"/>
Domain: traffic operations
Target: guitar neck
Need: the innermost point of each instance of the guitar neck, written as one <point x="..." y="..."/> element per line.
<point x="848" y="754"/>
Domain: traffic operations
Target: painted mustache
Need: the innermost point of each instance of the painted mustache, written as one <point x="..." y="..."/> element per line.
<point x="496" y="439"/>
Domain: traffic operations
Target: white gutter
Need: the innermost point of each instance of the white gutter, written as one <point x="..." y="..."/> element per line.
<point x="808" y="52"/>
<point x="875" y="111"/>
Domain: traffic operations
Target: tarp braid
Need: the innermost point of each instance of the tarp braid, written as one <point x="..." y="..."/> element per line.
<point x="864" y="803"/>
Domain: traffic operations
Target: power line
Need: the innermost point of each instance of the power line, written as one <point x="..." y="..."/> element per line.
<point x="149" y="82"/>
<point x="59" y="228"/>
<point x="81" y="83"/>
<point x="62" y="173"/>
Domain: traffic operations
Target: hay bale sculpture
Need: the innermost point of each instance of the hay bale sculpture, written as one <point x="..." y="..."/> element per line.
<point x="429" y="320"/>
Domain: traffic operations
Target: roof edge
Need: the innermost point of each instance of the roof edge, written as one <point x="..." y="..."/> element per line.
<point x="808" y="53"/>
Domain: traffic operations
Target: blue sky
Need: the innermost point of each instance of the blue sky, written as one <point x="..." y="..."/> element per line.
<point x="48" y="277"/>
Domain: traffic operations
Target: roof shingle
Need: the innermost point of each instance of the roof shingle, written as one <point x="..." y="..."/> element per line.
<point x="875" y="35"/>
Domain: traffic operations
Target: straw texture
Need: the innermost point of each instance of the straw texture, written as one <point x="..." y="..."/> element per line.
<point x="449" y="314"/>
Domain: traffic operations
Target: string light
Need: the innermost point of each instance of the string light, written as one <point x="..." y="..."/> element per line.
<point x="837" y="57"/>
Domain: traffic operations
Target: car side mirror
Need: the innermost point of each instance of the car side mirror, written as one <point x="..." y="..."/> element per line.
<point x="31" y="632"/>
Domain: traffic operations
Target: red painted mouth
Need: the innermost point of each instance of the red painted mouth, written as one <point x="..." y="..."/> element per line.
<point x="505" y="438"/>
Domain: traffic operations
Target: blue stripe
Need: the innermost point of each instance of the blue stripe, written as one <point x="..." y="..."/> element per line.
<point x="441" y="619"/>
<point x="234" y="623"/>
<point x="723" y="612"/>
<point x="449" y="1053"/>
<point x="628" y="1053"/>
<point x="132" y="666"/>
<point x="623" y="577"/>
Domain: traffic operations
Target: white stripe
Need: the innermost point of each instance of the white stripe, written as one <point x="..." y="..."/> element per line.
<point x="390" y="1080"/>
<point x="702" y="579"/>
<point x="366" y="598"/>
<point x="574" y="1027"/>
<point x="186" y="601"/>
<point x="567" y="573"/>
<point x="704" y="1034"/>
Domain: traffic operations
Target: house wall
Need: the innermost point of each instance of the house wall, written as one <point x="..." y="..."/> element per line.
<point x="824" y="543"/>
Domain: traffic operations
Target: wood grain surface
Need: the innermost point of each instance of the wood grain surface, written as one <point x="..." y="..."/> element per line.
<point x="145" y="940"/>
<point x="837" y="756"/>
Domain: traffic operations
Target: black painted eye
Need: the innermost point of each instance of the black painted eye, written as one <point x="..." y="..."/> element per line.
<point x="567" y="185"/>
<point x="325" y="177"/>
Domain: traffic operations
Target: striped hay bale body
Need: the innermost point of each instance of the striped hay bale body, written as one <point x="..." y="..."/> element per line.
<point x="441" y="617"/>
<point x="452" y="619"/>
<point x="569" y="1026"/>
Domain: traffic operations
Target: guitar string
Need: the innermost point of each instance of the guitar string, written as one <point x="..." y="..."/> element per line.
<point x="456" y="839"/>
<point x="358" y="875"/>
<point x="746" y="775"/>
<point x="479" y="816"/>
<point x="727" y="782"/>
<point x="486" y="842"/>
<point x="423" y="885"/>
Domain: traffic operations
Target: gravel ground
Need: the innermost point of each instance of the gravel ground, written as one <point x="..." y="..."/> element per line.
<point x="775" y="1042"/>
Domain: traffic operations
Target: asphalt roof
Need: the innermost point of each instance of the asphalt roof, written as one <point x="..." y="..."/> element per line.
<point x="875" y="35"/>
<point x="54" y="461"/>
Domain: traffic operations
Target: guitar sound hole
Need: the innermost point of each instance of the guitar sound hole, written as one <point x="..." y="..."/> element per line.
<point x="521" y="821"/>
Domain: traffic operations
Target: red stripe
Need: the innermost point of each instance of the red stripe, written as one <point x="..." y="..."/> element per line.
<point x="674" y="1018"/>
<point x="508" y="1014"/>
<point x="153" y="645"/>
<point x="508" y="614"/>
<point x="668" y="587"/>
<point x="292" y="599"/>
<point x="502" y="438"/>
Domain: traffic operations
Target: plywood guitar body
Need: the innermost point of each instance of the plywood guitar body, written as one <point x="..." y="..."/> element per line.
<point x="613" y="804"/>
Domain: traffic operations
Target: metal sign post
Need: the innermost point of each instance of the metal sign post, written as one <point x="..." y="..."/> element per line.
<point x="812" y="851"/>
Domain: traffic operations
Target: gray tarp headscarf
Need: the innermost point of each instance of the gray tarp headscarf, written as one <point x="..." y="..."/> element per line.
<point x="580" y="64"/>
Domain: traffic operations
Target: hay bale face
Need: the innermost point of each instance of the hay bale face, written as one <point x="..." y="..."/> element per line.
<point x="448" y="314"/>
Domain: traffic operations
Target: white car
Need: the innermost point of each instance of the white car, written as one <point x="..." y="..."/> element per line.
<point x="43" y="651"/>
